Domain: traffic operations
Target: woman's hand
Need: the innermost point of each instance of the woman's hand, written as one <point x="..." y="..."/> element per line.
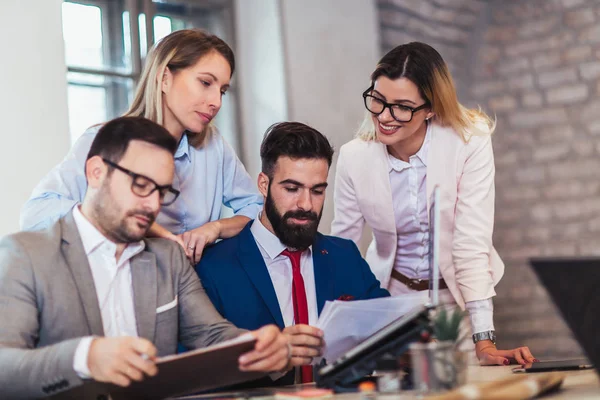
<point x="157" y="230"/>
<point x="195" y="240"/>
<point x="488" y="354"/>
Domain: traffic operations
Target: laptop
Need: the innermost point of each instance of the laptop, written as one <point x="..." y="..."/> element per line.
<point x="434" y="248"/>
<point x="574" y="286"/>
<point x="393" y="339"/>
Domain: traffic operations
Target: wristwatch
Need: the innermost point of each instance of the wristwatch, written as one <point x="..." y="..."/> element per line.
<point x="487" y="335"/>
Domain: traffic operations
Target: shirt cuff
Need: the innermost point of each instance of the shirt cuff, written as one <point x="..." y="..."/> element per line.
<point x="481" y="313"/>
<point x="80" y="361"/>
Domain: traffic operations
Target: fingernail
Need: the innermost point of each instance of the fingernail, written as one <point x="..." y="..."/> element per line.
<point x="506" y="362"/>
<point x="242" y="360"/>
<point x="536" y="360"/>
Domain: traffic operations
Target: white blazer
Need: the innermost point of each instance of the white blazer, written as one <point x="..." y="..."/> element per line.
<point x="465" y="172"/>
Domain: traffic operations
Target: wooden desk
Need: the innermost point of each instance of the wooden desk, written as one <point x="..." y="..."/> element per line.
<point x="577" y="385"/>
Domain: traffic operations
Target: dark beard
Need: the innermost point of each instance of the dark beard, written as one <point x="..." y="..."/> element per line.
<point x="297" y="237"/>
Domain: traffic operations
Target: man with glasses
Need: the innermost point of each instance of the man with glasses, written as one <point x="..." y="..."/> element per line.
<point x="91" y="298"/>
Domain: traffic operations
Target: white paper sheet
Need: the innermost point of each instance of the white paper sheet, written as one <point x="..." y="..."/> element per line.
<point x="347" y="323"/>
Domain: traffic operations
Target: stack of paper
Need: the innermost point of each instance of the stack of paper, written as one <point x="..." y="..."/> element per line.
<point x="347" y="323"/>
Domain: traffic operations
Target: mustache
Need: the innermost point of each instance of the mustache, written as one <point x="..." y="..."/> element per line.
<point x="142" y="213"/>
<point x="299" y="214"/>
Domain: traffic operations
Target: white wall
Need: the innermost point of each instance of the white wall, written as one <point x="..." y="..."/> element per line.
<point x="329" y="49"/>
<point x="261" y="74"/>
<point x="33" y="104"/>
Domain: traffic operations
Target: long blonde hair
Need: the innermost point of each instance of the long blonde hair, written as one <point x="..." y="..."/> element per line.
<point x="425" y="67"/>
<point x="181" y="49"/>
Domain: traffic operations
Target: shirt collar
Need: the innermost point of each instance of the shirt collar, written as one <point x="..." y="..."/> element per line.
<point x="92" y="239"/>
<point x="266" y="239"/>
<point x="399" y="165"/>
<point x="184" y="147"/>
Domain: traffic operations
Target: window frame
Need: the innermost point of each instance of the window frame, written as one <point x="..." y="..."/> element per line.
<point x="214" y="15"/>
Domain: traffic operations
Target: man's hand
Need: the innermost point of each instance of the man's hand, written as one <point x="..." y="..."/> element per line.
<point x="271" y="353"/>
<point x="307" y="343"/>
<point x="120" y="360"/>
<point x="488" y="354"/>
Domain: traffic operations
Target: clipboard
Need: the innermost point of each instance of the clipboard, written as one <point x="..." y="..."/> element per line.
<point x="178" y="375"/>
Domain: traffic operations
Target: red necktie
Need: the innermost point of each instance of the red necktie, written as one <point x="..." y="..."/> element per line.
<point x="300" y="304"/>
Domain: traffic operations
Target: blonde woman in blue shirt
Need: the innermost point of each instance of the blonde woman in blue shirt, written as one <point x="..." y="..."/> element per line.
<point x="182" y="85"/>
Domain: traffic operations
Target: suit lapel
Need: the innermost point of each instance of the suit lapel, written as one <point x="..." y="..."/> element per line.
<point x="379" y="176"/>
<point x="77" y="261"/>
<point x="322" y="265"/>
<point x="143" y="277"/>
<point x="436" y="153"/>
<point x="252" y="262"/>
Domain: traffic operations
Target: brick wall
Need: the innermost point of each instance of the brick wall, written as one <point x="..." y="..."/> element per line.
<point x="536" y="65"/>
<point x="447" y="25"/>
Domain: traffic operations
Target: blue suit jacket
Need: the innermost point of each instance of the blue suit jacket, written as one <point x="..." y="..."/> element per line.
<point x="236" y="279"/>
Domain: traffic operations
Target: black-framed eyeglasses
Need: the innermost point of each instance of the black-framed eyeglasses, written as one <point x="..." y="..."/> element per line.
<point x="143" y="186"/>
<point x="399" y="112"/>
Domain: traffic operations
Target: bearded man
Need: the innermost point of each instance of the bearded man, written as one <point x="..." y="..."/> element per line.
<point x="279" y="269"/>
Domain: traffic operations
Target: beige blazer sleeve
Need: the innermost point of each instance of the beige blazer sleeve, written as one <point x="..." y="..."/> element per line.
<point x="474" y="222"/>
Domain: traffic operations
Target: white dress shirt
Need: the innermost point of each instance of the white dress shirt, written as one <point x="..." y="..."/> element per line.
<point x="280" y="271"/>
<point x="112" y="280"/>
<point x="409" y="194"/>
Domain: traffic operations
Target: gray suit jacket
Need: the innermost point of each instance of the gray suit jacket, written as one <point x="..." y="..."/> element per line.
<point x="48" y="302"/>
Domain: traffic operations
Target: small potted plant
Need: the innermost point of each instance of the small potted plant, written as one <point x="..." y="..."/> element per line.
<point x="439" y="364"/>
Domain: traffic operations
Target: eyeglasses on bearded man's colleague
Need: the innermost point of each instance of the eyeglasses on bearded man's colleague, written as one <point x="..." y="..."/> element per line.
<point x="416" y="135"/>
<point x="92" y="298"/>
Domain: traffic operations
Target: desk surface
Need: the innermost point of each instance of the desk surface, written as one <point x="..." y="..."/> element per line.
<point x="577" y="385"/>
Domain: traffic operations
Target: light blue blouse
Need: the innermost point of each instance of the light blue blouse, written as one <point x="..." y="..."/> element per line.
<point x="207" y="178"/>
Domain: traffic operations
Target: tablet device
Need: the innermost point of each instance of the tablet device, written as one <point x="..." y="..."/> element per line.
<point x="556" y="365"/>
<point x="391" y="340"/>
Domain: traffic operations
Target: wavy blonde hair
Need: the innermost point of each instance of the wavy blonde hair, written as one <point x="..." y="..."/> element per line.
<point x="425" y="67"/>
<point x="179" y="50"/>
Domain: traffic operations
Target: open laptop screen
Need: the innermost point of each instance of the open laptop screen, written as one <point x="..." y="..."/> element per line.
<point x="574" y="286"/>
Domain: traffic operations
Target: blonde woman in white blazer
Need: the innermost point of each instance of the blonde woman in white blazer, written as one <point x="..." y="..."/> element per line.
<point x="416" y="135"/>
